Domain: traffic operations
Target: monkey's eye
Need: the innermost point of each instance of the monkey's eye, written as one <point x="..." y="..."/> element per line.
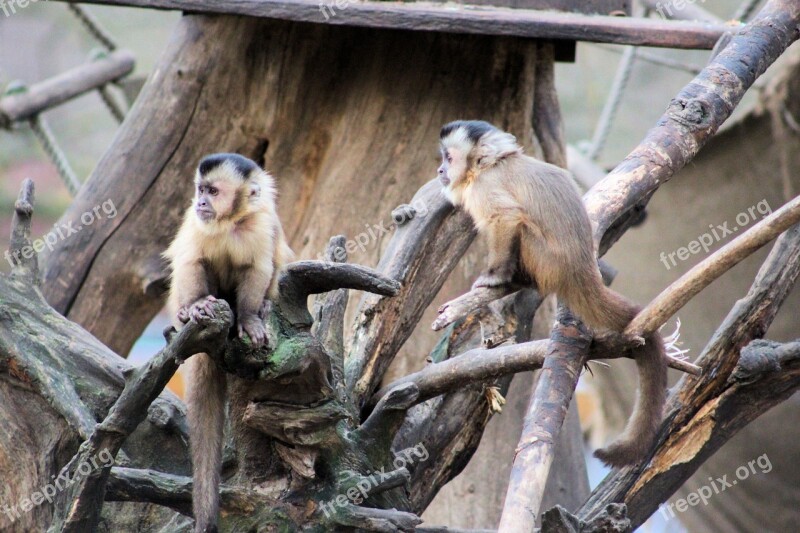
<point x="213" y="191"/>
<point x="449" y="158"/>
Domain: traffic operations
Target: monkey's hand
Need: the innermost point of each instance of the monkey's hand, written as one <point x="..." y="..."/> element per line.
<point x="254" y="327"/>
<point x="183" y="314"/>
<point x="199" y="310"/>
<point x="493" y="278"/>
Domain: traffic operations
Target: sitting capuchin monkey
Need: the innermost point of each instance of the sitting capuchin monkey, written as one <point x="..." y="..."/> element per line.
<point x="540" y="235"/>
<point x="230" y="246"/>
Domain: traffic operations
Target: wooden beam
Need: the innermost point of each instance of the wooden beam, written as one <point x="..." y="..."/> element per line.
<point x="65" y="86"/>
<point x="450" y="18"/>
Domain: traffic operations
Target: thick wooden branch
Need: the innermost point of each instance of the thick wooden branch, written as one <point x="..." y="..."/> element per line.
<point x="175" y="492"/>
<point x="64" y="87"/>
<point x="481" y="20"/>
<point x="78" y="508"/>
<point x="390" y="411"/>
<point x="379" y="520"/>
<point x="329" y="309"/>
<point x="567" y="355"/>
<point x="706" y="412"/>
<point x="692" y="117"/>
<point x="678" y="294"/>
<point x="420" y="255"/>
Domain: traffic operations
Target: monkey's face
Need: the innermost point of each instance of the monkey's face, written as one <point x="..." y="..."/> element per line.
<point x="454" y="166"/>
<point x="215" y="200"/>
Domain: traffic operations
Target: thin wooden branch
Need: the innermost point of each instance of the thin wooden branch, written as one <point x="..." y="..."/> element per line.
<point x="64" y="87"/>
<point x="480" y="20"/>
<point x="466" y="303"/>
<point x="705" y="413"/>
<point x="78" y="508"/>
<point x="478" y="365"/>
<point x="567" y="354"/>
<point x="303" y="278"/>
<point x="460" y="307"/>
<point x="678" y="294"/>
<point x="21" y="254"/>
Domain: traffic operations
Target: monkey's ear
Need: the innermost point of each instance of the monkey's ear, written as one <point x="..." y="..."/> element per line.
<point x="255" y="190"/>
<point x="494" y="146"/>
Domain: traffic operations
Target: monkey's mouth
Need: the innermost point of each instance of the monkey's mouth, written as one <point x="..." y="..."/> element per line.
<point x="206" y="215"/>
<point x="445" y="180"/>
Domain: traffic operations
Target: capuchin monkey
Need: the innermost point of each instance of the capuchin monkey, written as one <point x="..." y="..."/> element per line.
<point x="540" y="235"/>
<point x="230" y="246"/>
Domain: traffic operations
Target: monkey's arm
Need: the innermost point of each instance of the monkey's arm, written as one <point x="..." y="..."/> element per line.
<point x="250" y="295"/>
<point x="190" y="284"/>
<point x="503" y="236"/>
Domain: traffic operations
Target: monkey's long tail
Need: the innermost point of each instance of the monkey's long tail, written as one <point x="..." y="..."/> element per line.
<point x="205" y="395"/>
<point x="608" y="309"/>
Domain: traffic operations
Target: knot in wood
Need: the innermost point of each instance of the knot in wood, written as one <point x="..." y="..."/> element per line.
<point x="690" y="113"/>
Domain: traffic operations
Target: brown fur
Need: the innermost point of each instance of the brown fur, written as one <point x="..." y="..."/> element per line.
<point x="237" y="255"/>
<point x="537" y="226"/>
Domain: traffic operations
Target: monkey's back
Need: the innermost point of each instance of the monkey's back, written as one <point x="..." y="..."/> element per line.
<point x="556" y="246"/>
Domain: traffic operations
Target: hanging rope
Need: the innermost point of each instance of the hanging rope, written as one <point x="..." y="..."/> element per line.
<point x="48" y="141"/>
<point x="746" y="10"/>
<point x="655" y="59"/>
<point x="111" y="103"/>
<point x="93" y="26"/>
<point x="612" y="102"/>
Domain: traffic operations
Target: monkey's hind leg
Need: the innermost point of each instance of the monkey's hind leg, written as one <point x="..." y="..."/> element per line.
<point x="503" y="253"/>
<point x="205" y="397"/>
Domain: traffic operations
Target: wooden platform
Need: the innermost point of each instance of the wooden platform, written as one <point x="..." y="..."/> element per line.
<point x="458" y="18"/>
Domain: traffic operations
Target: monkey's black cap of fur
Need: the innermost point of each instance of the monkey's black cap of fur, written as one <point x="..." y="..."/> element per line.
<point x="243" y="165"/>
<point x="475" y="128"/>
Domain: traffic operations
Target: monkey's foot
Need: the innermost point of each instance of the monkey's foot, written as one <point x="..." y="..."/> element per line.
<point x="494" y="399"/>
<point x="254" y="328"/>
<point x="202" y="309"/>
<point x="491" y="280"/>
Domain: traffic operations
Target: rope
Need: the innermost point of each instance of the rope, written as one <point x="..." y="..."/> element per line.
<point x="48" y="141"/>
<point x="111" y="103"/>
<point x="745" y="10"/>
<point x="93" y="26"/>
<point x="612" y="102"/>
<point x="655" y="59"/>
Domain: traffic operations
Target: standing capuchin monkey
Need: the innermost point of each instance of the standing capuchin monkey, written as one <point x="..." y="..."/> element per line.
<point x="540" y="235"/>
<point x="231" y="246"/>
